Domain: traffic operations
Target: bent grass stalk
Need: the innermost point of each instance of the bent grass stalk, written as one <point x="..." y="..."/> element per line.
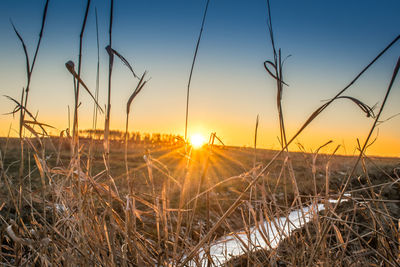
<point x="137" y="90"/>
<point x="25" y="94"/>
<point x="395" y="72"/>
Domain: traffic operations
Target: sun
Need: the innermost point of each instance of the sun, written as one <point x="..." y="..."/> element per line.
<point x="197" y="140"/>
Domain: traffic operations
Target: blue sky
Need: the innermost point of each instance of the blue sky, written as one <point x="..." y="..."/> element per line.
<point x="330" y="42"/>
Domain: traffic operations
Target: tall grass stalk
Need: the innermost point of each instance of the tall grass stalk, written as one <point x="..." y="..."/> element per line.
<point x="255" y="141"/>
<point x="95" y="109"/>
<point x="277" y="75"/>
<point x="182" y="199"/>
<point x="253" y="190"/>
<point x="75" y="128"/>
<point x="110" y="67"/>
<point x="187" y="149"/>
<point x="137" y="90"/>
<point x="192" y="67"/>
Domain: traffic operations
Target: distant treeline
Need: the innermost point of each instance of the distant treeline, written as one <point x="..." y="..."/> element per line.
<point x="134" y="137"/>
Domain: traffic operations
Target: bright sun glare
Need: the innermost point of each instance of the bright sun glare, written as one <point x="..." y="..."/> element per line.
<point x="197" y="140"/>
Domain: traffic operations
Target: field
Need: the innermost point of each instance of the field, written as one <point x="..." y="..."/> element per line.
<point x="102" y="213"/>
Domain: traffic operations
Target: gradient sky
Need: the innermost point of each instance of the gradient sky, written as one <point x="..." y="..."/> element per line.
<point x="330" y="42"/>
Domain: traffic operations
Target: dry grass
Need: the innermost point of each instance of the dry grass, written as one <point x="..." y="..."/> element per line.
<point x="146" y="205"/>
<point x="143" y="218"/>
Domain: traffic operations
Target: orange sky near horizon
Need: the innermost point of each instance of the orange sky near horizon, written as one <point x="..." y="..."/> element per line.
<point x="386" y="145"/>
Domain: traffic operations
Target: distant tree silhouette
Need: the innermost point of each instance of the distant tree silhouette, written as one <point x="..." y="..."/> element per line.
<point x="134" y="137"/>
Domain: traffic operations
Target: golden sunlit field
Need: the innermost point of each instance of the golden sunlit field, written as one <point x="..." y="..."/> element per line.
<point x="166" y="190"/>
<point x="105" y="197"/>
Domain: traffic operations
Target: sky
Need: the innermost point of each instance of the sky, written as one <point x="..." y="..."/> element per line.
<point x="329" y="43"/>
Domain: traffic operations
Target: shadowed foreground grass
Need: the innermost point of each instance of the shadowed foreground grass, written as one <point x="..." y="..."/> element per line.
<point x="66" y="218"/>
